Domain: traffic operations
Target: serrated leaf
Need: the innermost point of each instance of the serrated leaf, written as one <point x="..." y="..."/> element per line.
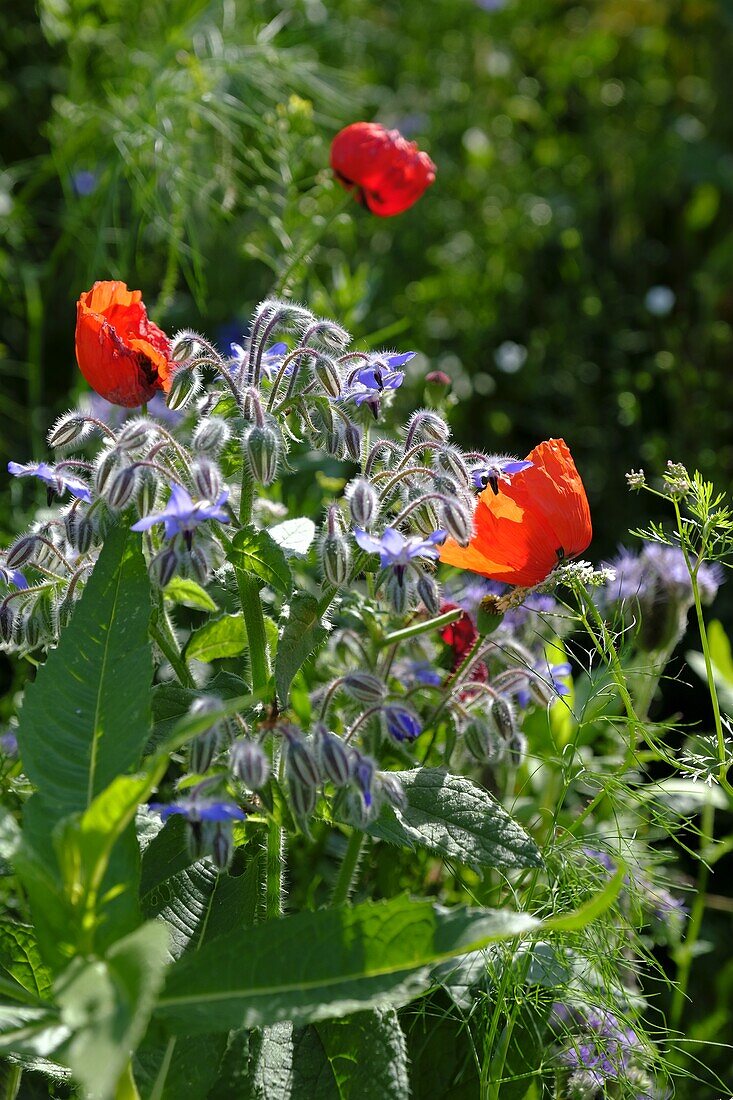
<point x="224" y="637"/>
<point x="184" y="590"/>
<point x="451" y="815"/>
<point x="294" y="536"/>
<point x="302" y="634"/>
<point x="319" y="965"/>
<point x="86" y="718"/>
<point x="106" y="1004"/>
<point x="256" y="553"/>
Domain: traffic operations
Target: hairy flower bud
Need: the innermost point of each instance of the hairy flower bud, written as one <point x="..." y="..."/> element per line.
<point x="398" y="590"/>
<point x="450" y="461"/>
<point x="363" y="502"/>
<point x="69" y="428"/>
<point x="300" y="762"/>
<point x="483" y="741"/>
<point x="184" y="346"/>
<point x="211" y="434"/>
<point x="198" y="564"/>
<point x="336" y="558"/>
<point x="402" y="722"/>
<point x="22" y="551"/>
<point x="334" y="756"/>
<point x="262" y="447"/>
<point x="352" y="440"/>
<point x="7" y="622"/>
<point x="302" y="798"/>
<point x="502" y="715"/>
<point x="392" y="790"/>
<point x="206" y="477"/>
<point x="134" y="434"/>
<point x="426" y="426"/>
<point x="364" y="687"/>
<point x="429" y="593"/>
<point x="220" y="843"/>
<point x="121" y="487"/>
<point x="203" y="749"/>
<point x="185" y="384"/>
<point x="325" y="371"/>
<point x="457" y="522"/>
<point x="164" y="566"/>
<point x="249" y="763"/>
<point x="517" y="748"/>
<point x="107" y="466"/>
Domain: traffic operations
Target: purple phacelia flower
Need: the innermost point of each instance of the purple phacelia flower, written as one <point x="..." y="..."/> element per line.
<point x="182" y="515"/>
<point x="56" y="480"/>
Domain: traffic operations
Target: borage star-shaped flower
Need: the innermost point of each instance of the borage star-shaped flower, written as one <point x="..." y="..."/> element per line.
<point x="495" y="470"/>
<point x="49" y="475"/>
<point x="182" y="515"/>
<point x="396" y="551"/>
<point x="367" y="384"/>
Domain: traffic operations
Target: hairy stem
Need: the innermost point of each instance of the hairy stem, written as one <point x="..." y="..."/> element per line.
<point x="348" y="869"/>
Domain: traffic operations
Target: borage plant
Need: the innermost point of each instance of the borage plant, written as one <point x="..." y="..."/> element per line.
<point x="226" y="692"/>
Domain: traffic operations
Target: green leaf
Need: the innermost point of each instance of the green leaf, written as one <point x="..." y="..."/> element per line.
<point x="21" y="960"/>
<point x="86" y="718"/>
<point x="185" y="591"/>
<point x="294" y="536"/>
<point x="224" y="637"/>
<point x="317" y="965"/>
<point x="442" y="1051"/>
<point x="179" y="1067"/>
<point x="720" y="650"/>
<point x="302" y="634"/>
<point x="592" y="909"/>
<point x="172" y="701"/>
<point x="367" y="1055"/>
<point x="254" y="552"/>
<point x="106" y="1005"/>
<point x="451" y="815"/>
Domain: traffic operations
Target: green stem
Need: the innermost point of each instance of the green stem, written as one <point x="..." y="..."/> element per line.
<point x="274" y="847"/>
<point x="254" y="623"/>
<point x="126" y="1087"/>
<point x="347" y="871"/>
<point x="686" y="952"/>
<point x="11" y="1081"/>
<point x="162" y="634"/>
<point x="423" y="627"/>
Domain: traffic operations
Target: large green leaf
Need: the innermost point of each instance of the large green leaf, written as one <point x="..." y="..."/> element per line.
<point x="224" y="637"/>
<point x="86" y="718"/>
<point x="256" y="553"/>
<point x="314" y="966"/>
<point x="20" y="959"/>
<point x="451" y="815"/>
<point x="106" y="1004"/>
<point x="302" y="634"/>
<point x="367" y="1055"/>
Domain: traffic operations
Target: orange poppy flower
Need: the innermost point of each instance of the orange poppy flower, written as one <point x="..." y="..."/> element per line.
<point x="528" y="523"/>
<point x="386" y="172"/>
<point x="120" y="352"/>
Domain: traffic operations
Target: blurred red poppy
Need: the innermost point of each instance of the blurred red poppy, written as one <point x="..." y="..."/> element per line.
<point x="120" y="352"/>
<point x="386" y="172"/>
<point x="538" y="519"/>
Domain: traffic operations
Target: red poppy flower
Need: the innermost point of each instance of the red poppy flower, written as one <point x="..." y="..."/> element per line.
<point x="537" y="519"/>
<point x="386" y="172"/>
<point x="459" y="635"/>
<point x="120" y="352"/>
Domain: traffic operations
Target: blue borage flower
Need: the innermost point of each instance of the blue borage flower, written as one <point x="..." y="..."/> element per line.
<point x="497" y="469"/>
<point x="196" y="810"/>
<point x="397" y="551"/>
<point x="366" y="385"/>
<point x="182" y="515"/>
<point x="271" y="362"/>
<point x="402" y="723"/>
<point x="50" y="475"/>
<point x="420" y="672"/>
<point x="13" y="576"/>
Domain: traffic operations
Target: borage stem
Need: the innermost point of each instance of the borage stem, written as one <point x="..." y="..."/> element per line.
<point x="349" y="866"/>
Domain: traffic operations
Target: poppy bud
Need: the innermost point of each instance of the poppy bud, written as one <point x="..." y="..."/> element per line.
<point x="121" y="487"/>
<point x="326" y="372"/>
<point x="352" y="440"/>
<point x="398" y="590"/>
<point x="334" y="757"/>
<point x="262" y="449"/>
<point x="336" y="559"/>
<point x="363" y="502"/>
<point x="211" y="434"/>
<point x="206" y="478"/>
<point x="364" y="687"/>
<point x="248" y="762"/>
<point x="69" y="428"/>
<point x="482" y="740"/>
<point x="429" y="593"/>
<point x="22" y="551"/>
<point x="457" y="522"/>
<point x="503" y="717"/>
<point x="7" y="622"/>
<point x="185" y="384"/>
<point x="163" y="567"/>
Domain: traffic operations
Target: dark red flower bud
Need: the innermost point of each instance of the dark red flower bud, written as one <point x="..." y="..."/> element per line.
<point x="459" y="635"/>
<point x="387" y="173"/>
<point x="122" y="354"/>
<point x="438" y="378"/>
